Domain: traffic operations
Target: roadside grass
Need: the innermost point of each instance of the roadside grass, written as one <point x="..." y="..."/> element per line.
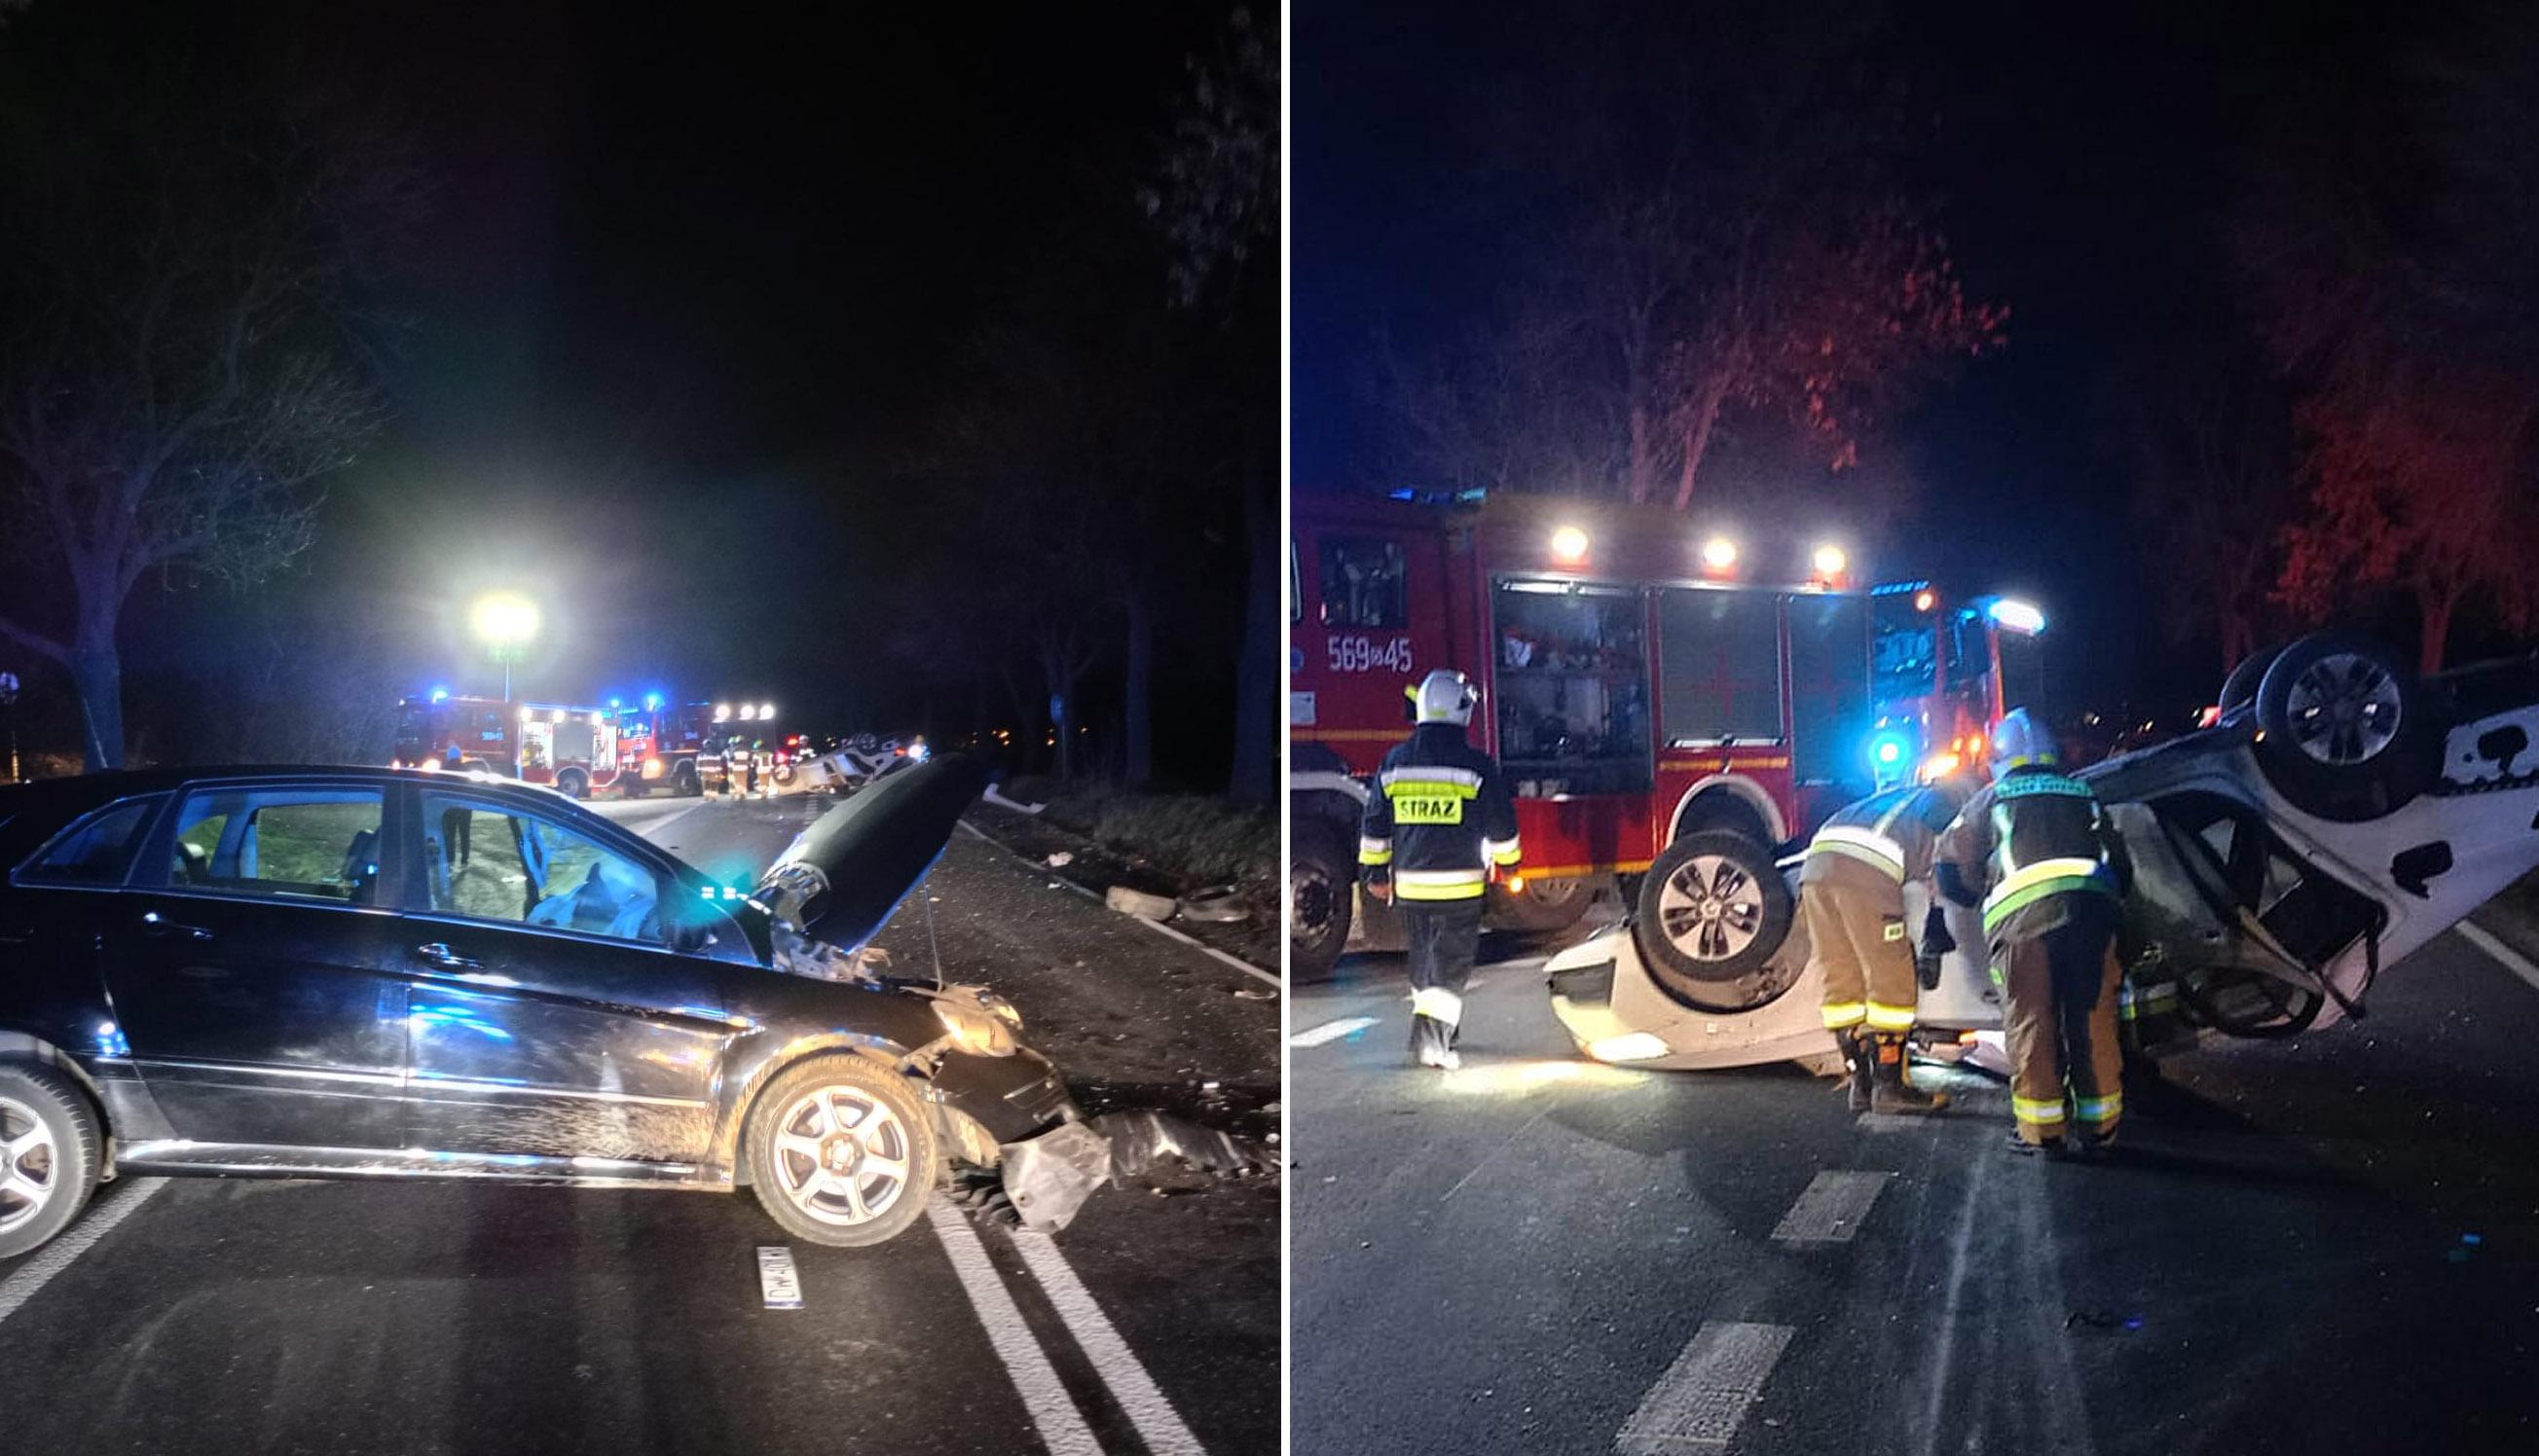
<point x="1194" y="840"/>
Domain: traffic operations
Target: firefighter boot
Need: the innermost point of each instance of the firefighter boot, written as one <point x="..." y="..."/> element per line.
<point x="1856" y="1048"/>
<point x="1889" y="1090"/>
<point x="1432" y="1043"/>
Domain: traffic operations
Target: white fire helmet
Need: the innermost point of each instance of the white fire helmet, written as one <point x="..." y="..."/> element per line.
<point x="2019" y="740"/>
<point x="1445" y="697"/>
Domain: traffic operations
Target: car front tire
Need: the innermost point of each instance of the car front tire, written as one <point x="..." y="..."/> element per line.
<point x="1712" y="910"/>
<point x="841" y="1152"/>
<point x="49" y="1155"/>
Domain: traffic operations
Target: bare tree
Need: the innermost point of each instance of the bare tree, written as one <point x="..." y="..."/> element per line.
<point x="1732" y="239"/>
<point x="179" y="364"/>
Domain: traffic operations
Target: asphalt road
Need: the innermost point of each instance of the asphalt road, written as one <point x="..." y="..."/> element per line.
<point x="218" y="1315"/>
<point x="2328" y="1244"/>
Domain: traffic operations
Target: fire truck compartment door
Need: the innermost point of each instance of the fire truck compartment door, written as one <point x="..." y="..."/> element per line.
<point x="574" y="741"/>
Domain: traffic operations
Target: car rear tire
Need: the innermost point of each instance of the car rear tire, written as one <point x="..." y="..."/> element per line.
<point x="1322" y="876"/>
<point x="2240" y="687"/>
<point x="49" y="1155"/>
<point x="841" y="1152"/>
<point x="1713" y="908"/>
<point x="2346" y="732"/>
<point x="574" y="784"/>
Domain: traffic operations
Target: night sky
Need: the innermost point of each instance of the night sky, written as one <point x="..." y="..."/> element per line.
<point x="696" y="284"/>
<point x="2084" y="156"/>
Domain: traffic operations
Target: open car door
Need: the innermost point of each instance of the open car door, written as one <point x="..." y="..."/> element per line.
<point x="2221" y="905"/>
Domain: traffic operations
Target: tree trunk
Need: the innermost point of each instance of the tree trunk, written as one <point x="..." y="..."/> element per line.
<point x="1138" y="710"/>
<point x="1061" y="678"/>
<point x="1259" y="672"/>
<point x="2436" y="604"/>
<point x="1697" y="439"/>
<point x="98" y="673"/>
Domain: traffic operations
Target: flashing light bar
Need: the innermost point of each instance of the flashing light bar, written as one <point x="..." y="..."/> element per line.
<point x="2019" y="617"/>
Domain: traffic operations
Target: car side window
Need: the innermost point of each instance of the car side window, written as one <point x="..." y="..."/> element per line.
<point x="493" y="863"/>
<point x="94" y="851"/>
<point x="285" y="843"/>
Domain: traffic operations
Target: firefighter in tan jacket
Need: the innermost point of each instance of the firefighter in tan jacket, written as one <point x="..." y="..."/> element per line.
<point x="1851" y="895"/>
<point x="2038" y="851"/>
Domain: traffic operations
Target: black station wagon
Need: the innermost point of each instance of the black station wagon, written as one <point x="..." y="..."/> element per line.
<point x="351" y="972"/>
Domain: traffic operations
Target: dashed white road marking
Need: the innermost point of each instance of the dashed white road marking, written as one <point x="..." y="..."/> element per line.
<point x="1158" y="1424"/>
<point x="1697" y="1405"/>
<point x="1331" y="1030"/>
<point x="2507" y="957"/>
<point x="1832" y="1209"/>
<point x="1895" y="1122"/>
<point x="1053" y="1411"/>
<point x="110" y="1208"/>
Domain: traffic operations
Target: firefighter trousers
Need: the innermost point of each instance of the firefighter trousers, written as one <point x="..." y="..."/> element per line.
<point x="1856" y="937"/>
<point x="2066" y="1066"/>
<point x="1444" y="936"/>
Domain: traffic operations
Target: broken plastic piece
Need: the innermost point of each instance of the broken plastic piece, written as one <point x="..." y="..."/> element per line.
<point x="1139" y="903"/>
<point x="1139" y="1141"/>
<point x="1216" y="905"/>
<point x="797" y="954"/>
<point x="1049" y="1178"/>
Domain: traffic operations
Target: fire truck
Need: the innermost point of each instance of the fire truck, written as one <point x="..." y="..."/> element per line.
<point x="659" y="744"/>
<point x="572" y="748"/>
<point x="685" y="748"/>
<point x="1673" y="706"/>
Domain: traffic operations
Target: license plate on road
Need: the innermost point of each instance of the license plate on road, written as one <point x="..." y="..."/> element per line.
<point x="777" y="1281"/>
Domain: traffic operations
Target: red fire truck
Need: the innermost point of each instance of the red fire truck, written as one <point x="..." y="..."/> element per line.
<point x="575" y="748"/>
<point x="1672" y="704"/>
<point x="659" y="744"/>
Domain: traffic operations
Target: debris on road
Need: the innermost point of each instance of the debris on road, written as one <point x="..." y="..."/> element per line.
<point x="1139" y="903"/>
<point x="1060" y="860"/>
<point x="1220" y="904"/>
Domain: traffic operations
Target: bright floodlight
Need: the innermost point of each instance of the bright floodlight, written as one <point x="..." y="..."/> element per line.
<point x="506" y="621"/>
<point x="1719" y="553"/>
<point x="1569" y="545"/>
<point x="2020" y="617"/>
<point x="1923" y="601"/>
<point x="722" y="713"/>
<point x="1831" y="561"/>
<point x="767" y="711"/>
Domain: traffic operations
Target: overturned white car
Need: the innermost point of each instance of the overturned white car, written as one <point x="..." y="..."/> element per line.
<point x="2338" y="816"/>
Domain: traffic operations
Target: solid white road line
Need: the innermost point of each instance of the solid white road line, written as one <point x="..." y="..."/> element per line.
<point x="1331" y="1030"/>
<point x="1696" y="1406"/>
<point x="110" y="1208"/>
<point x="1239" y="964"/>
<point x="1158" y="1424"/>
<point x="1053" y="1411"/>
<point x="2507" y="957"/>
<point x="1832" y="1208"/>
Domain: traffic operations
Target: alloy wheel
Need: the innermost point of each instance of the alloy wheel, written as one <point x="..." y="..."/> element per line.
<point x="842" y="1156"/>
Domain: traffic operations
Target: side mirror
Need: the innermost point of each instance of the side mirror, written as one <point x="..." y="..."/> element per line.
<point x="690" y="937"/>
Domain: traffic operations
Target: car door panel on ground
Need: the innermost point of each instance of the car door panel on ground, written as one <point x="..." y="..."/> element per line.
<point x="547" y="1017"/>
<point x="253" y="976"/>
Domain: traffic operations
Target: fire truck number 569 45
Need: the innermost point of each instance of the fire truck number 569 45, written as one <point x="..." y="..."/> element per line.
<point x="1366" y="655"/>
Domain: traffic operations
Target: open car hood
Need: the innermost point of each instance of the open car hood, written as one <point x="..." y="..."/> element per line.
<point x="841" y="879"/>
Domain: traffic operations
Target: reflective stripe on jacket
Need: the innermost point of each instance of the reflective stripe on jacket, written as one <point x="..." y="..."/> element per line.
<point x="1439" y="819"/>
<point x="1892" y="833"/>
<point x="2030" y="844"/>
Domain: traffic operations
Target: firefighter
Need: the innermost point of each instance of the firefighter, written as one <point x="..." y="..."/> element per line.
<point x="1851" y="894"/>
<point x="2038" y="851"/>
<point x="1438" y="828"/>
